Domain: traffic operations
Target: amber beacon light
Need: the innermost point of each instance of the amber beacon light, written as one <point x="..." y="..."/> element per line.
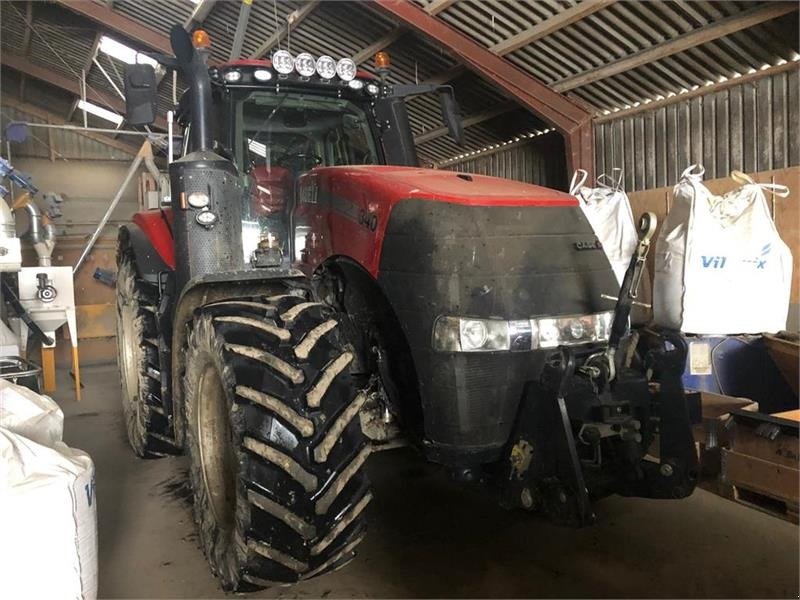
<point x="200" y="39"/>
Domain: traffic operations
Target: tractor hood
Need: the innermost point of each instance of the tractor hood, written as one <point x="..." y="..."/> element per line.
<point x="392" y="183"/>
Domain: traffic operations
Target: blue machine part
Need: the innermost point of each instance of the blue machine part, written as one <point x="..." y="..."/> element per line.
<point x="23" y="181"/>
<point x="737" y="366"/>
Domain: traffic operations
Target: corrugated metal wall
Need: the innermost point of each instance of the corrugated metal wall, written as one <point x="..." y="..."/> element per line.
<point x="750" y="127"/>
<point x="66" y="144"/>
<point x="540" y="161"/>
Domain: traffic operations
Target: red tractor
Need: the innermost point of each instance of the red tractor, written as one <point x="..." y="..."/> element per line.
<point x="311" y="296"/>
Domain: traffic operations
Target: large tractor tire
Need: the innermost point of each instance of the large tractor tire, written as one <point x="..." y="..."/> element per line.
<point x="137" y="353"/>
<point x="274" y="440"/>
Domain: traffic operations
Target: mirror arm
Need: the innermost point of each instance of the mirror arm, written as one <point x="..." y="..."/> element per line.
<point x="406" y="90"/>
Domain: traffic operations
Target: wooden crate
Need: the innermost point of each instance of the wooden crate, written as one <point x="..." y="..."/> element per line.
<point x="761" y="467"/>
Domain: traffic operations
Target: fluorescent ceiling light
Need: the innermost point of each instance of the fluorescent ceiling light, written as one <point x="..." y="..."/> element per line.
<point x="101" y="112"/>
<point x="257" y="148"/>
<point x="124" y="53"/>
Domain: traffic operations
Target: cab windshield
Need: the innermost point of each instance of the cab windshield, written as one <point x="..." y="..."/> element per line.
<point x="299" y="131"/>
<point x="278" y="136"/>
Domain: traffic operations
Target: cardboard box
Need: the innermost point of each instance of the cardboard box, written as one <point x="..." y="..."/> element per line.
<point x="712" y="433"/>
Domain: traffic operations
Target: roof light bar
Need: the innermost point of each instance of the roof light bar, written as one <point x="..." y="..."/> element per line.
<point x="283" y="62"/>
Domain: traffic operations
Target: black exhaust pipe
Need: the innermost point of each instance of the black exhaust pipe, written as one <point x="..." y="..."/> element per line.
<point x="205" y="187"/>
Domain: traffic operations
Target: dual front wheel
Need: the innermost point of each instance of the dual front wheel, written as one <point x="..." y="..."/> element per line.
<point x="272" y="433"/>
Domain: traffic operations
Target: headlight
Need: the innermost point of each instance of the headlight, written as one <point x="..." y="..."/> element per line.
<point x="283" y="62"/>
<point x="206" y="218"/>
<point x="233" y="76"/>
<point x="460" y="334"/>
<point x="197" y="199"/>
<point x="346" y="69"/>
<point x="262" y="75"/>
<point x="326" y="67"/>
<point x="305" y="65"/>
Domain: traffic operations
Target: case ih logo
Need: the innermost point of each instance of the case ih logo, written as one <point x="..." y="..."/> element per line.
<point x="589" y="245"/>
<point x="718" y="262"/>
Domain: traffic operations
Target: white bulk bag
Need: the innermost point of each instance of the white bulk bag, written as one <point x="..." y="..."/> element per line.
<point x="48" y="510"/>
<point x="32" y="415"/>
<point x="608" y="210"/>
<point x="721" y="267"/>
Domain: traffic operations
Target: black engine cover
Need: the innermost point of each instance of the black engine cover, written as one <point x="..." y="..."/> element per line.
<point x="200" y="250"/>
<point x="508" y="262"/>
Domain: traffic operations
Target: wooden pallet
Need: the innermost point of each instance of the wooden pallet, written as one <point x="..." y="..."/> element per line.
<point x="777" y="507"/>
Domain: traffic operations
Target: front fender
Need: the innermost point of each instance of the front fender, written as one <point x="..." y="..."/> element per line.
<point x="149" y="263"/>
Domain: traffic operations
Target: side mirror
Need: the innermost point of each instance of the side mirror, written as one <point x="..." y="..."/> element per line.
<point x="450" y="115"/>
<point x="141" y="94"/>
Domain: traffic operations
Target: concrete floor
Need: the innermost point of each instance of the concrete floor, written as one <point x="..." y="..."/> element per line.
<point x="430" y="536"/>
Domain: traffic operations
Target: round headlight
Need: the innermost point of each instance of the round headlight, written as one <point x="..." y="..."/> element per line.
<point x="233" y="76"/>
<point x="262" y="75"/>
<point x="576" y="329"/>
<point x="346" y="69"/>
<point x="326" y="67"/>
<point x="283" y="62"/>
<point x="206" y="218"/>
<point x="304" y="64"/>
<point x="473" y="335"/>
<point x="197" y="199"/>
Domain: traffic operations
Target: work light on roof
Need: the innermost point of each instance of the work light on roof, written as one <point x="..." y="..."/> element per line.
<point x="326" y="67"/>
<point x="346" y="69"/>
<point x="262" y="75"/>
<point x="304" y="64"/>
<point x="283" y="62"/>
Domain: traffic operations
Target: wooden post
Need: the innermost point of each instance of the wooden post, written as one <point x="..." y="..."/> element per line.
<point x="49" y="369"/>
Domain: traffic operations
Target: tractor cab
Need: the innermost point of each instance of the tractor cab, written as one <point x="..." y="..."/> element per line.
<point x="278" y="119"/>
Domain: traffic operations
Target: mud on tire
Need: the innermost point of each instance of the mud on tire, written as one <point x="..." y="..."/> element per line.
<point x="274" y="440"/>
<point x="146" y="425"/>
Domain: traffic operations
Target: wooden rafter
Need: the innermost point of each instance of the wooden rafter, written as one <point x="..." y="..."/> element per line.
<point x="31" y="69"/>
<point x="378" y="45"/>
<point x="437" y="6"/>
<point x="713" y="31"/>
<point x="293" y="20"/>
<point x="570" y="118"/>
<point x="200" y="13"/>
<point x="549" y="26"/>
<point x="112" y="20"/>
<point x="49" y="117"/>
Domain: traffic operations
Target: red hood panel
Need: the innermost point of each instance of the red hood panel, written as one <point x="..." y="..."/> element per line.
<point x="447" y="186"/>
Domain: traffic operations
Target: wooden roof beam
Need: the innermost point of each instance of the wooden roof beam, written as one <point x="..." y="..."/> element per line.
<point x="437" y="6"/>
<point x="570" y="118"/>
<point x="31" y="69"/>
<point x="48" y="117"/>
<point x="549" y="26"/>
<point x="200" y="13"/>
<point x="112" y="20"/>
<point x="713" y="31"/>
<point x="384" y="42"/>
<point x="293" y="20"/>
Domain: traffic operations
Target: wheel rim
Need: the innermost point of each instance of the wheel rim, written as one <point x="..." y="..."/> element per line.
<point x="218" y="463"/>
<point x="129" y="351"/>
